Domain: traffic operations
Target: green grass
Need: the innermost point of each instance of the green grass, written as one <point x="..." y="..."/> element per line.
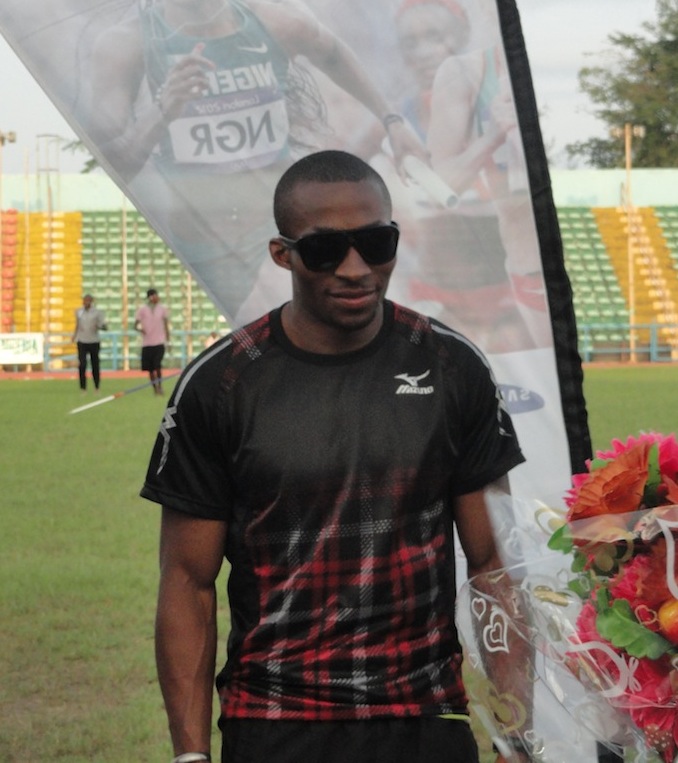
<point x="627" y="400"/>
<point x="78" y="561"/>
<point x="78" y="576"/>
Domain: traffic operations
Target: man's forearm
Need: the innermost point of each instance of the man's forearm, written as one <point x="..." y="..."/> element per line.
<point x="508" y="655"/>
<point x="185" y="639"/>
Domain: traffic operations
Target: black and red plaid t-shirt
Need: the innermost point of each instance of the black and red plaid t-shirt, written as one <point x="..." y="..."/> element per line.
<point x="335" y="475"/>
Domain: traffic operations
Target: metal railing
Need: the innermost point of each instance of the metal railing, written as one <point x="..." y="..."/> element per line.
<point x="612" y="342"/>
<point x="121" y="351"/>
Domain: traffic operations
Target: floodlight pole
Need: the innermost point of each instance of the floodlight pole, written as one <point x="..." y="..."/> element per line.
<point x="629" y="243"/>
<point x="631" y="131"/>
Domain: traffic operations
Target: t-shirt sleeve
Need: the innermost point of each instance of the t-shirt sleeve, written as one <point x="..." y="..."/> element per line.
<point x="488" y="447"/>
<point x="187" y="469"/>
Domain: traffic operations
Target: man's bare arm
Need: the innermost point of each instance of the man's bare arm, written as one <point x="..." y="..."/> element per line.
<point x="476" y="534"/>
<point x="125" y="129"/>
<point x="191" y="554"/>
<point x="300" y="33"/>
<point x="457" y="153"/>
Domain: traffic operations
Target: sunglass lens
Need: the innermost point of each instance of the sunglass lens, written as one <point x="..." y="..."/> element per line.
<point x="376" y="245"/>
<point x="322" y="251"/>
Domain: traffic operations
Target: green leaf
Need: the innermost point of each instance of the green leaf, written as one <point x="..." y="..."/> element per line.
<point x="617" y="624"/>
<point x="580" y="587"/>
<point x="561" y="540"/>
<point x="579" y="561"/>
<point x="599" y="463"/>
<point x="654" y="478"/>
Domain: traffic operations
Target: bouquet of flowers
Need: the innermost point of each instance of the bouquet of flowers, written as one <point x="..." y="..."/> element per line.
<point x="620" y="530"/>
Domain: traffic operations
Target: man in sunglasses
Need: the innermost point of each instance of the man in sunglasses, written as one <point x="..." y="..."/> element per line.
<point x="326" y="451"/>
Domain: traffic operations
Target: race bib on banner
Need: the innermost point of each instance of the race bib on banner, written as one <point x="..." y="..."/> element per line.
<point x="243" y="129"/>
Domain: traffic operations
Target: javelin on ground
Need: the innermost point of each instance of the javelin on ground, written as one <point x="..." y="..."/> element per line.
<point x="122" y="393"/>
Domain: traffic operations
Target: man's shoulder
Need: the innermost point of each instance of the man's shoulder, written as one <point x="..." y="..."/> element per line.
<point x="426" y="331"/>
<point x="254" y="337"/>
<point x="420" y="326"/>
<point x="232" y="353"/>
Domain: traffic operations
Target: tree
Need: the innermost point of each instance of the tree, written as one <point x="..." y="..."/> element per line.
<point x="639" y="85"/>
<point x="76" y="146"/>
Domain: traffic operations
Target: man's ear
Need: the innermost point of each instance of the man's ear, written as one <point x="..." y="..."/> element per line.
<point x="280" y="254"/>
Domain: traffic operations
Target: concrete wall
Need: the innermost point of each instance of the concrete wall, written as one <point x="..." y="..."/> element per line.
<point x="602" y="188"/>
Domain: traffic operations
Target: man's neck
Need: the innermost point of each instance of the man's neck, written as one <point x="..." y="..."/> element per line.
<point x="322" y="339"/>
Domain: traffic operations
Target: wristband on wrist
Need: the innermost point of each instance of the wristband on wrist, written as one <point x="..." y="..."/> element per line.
<point x="390" y="119"/>
<point x="192" y="757"/>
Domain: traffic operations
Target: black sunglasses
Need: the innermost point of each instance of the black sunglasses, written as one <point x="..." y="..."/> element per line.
<point x="325" y="251"/>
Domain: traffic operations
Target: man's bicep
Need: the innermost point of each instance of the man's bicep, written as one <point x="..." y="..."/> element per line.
<point x="192" y="545"/>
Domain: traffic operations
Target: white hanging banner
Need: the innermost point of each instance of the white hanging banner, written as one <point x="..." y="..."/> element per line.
<point x="196" y="107"/>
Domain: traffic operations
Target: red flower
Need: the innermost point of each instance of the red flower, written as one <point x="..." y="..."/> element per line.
<point x="652" y="705"/>
<point x="615" y="514"/>
<point x="643" y="580"/>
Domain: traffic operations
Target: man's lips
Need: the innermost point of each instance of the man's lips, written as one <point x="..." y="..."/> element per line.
<point x="356" y="297"/>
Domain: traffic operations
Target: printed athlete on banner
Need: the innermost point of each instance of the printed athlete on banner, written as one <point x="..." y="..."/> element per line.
<point x="189" y="92"/>
<point x="239" y="119"/>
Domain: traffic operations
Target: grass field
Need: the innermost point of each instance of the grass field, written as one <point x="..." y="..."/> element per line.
<point x="78" y="568"/>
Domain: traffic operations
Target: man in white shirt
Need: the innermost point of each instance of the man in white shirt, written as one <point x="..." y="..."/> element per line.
<point x="89" y="321"/>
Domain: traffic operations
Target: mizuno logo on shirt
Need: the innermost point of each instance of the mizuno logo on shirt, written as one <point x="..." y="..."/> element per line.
<point x="263" y="48"/>
<point x="411" y="386"/>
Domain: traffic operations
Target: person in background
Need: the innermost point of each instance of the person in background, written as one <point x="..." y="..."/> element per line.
<point x="89" y="321"/>
<point x="152" y="320"/>
<point x="327" y="450"/>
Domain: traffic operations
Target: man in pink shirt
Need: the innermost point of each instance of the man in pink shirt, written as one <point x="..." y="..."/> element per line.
<point x="152" y="320"/>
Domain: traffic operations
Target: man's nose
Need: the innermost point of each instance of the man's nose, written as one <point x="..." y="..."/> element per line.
<point x="353" y="265"/>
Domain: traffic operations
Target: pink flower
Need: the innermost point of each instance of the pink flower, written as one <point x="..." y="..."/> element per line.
<point x="668" y="457"/>
<point x="653" y="706"/>
<point x="595" y="661"/>
<point x="642" y="582"/>
<point x="615" y="513"/>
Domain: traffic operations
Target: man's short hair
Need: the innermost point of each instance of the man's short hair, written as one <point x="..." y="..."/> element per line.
<point x="321" y="167"/>
<point x="151" y="292"/>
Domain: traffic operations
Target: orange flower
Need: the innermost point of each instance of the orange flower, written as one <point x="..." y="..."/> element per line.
<point x="616" y="488"/>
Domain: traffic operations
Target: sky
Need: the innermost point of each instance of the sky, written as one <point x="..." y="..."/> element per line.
<point x="561" y="36"/>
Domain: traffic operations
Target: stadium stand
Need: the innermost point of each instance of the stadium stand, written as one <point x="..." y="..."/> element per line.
<point x="122" y="257"/>
<point x="640" y="254"/>
<point x="49" y="259"/>
<point x="598" y="296"/>
<point x="8" y="248"/>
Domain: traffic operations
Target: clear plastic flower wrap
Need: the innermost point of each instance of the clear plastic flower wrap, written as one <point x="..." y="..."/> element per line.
<point x="596" y="610"/>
